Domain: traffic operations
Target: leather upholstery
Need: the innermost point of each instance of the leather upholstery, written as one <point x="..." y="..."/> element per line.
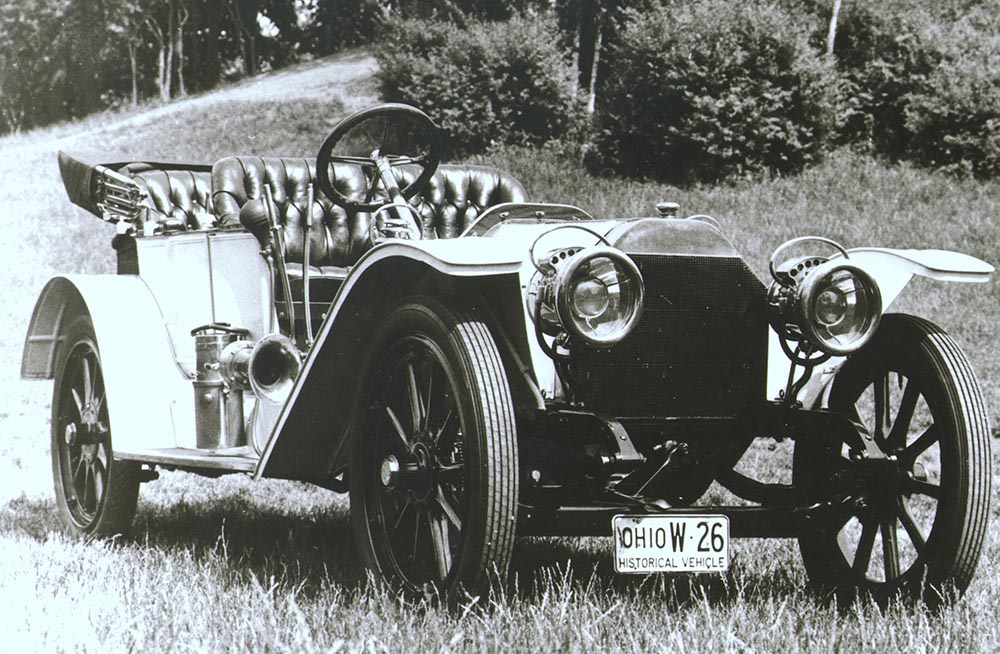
<point x="178" y="200"/>
<point x="455" y="196"/>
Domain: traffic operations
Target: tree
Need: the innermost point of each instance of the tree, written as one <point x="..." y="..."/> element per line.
<point x="160" y="23"/>
<point x="127" y="24"/>
<point x="589" y="49"/>
<point x="585" y="25"/>
<point x="33" y="75"/>
<point x="243" y="14"/>
<point x="182" y="17"/>
<point x="831" y="35"/>
<point x="83" y="45"/>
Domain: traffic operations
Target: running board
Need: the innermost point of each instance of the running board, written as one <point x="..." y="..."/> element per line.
<point x="237" y="459"/>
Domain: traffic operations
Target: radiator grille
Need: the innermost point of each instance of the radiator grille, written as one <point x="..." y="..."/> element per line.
<point x="699" y="350"/>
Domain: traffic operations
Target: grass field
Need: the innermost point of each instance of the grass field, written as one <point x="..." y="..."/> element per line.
<point x="232" y="566"/>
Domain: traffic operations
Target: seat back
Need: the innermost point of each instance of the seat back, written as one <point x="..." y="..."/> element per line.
<point x="178" y="199"/>
<point x="455" y="196"/>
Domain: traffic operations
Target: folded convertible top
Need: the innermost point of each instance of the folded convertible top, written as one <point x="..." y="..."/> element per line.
<point x="88" y="185"/>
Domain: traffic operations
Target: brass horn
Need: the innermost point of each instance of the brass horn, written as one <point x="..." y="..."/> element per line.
<point x="268" y="367"/>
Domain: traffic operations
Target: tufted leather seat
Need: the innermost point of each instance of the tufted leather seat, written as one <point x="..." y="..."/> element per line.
<point x="455" y="196"/>
<point x="178" y="199"/>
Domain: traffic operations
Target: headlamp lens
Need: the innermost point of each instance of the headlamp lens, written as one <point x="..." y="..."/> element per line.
<point x="598" y="296"/>
<point x="831" y="307"/>
<point x="590" y="298"/>
<point x="843" y="309"/>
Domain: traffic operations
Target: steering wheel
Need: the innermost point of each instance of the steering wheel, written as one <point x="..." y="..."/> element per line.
<point x="401" y="135"/>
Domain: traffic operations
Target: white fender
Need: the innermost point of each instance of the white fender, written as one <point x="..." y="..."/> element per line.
<point x="470" y="257"/>
<point x="149" y="398"/>
<point x="892" y="270"/>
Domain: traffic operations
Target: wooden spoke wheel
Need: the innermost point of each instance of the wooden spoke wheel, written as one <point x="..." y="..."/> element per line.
<point x="911" y="521"/>
<point x="96" y="495"/>
<point x="433" y="476"/>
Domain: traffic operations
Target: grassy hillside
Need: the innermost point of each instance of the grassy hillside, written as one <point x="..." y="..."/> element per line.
<point x="228" y="565"/>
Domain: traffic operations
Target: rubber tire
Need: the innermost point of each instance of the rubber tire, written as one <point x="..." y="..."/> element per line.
<point x="921" y="351"/>
<point x="115" y="509"/>
<point x="467" y="356"/>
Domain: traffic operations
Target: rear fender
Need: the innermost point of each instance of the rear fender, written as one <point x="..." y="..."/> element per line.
<point x="309" y="439"/>
<point x="892" y="269"/>
<point x="149" y="398"/>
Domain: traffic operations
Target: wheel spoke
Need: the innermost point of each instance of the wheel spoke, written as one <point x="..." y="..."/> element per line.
<point x="398" y="427"/>
<point x="882" y="418"/>
<point x="399" y="518"/>
<point x="444" y="426"/>
<point x="901" y="426"/>
<point x="448" y="509"/>
<point x="402" y="160"/>
<point x="924" y="488"/>
<point x="428" y="398"/>
<point x="100" y="475"/>
<point x="78" y="467"/>
<point x="910" y="525"/>
<point x="920" y="445"/>
<point x="78" y="401"/>
<point x="451" y="473"/>
<point x="416" y="535"/>
<point x="863" y="555"/>
<point x="386" y="130"/>
<point x="88" y="486"/>
<point x="99" y="399"/>
<point x="88" y="387"/>
<point x="357" y="161"/>
<point x="890" y="549"/>
<point x="442" y="549"/>
<point x="417" y="409"/>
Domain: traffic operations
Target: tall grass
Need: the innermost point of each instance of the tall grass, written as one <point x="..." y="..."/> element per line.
<point x="228" y="565"/>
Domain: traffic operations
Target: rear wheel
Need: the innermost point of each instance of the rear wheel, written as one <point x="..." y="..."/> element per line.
<point x="911" y="521"/>
<point x="433" y="476"/>
<point x="96" y="495"/>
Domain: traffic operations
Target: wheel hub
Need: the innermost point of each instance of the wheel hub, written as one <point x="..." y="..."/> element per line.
<point x="414" y="475"/>
<point x="881" y="483"/>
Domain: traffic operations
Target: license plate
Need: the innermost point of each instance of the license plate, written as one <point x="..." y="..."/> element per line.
<point x="671" y="543"/>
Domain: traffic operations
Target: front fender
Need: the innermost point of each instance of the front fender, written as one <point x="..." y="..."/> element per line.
<point x="149" y="398"/>
<point x="308" y="440"/>
<point x="892" y="269"/>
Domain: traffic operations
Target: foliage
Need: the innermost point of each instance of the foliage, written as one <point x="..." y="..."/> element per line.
<point x="712" y="90"/>
<point x="923" y="83"/>
<point x="231" y="565"/>
<point x="63" y="59"/>
<point x="34" y="84"/>
<point x="339" y="24"/>
<point x="484" y="84"/>
<point x="954" y="115"/>
<point x="882" y="57"/>
<point x="460" y="11"/>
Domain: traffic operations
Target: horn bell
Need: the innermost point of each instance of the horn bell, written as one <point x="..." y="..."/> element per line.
<point x="268" y="367"/>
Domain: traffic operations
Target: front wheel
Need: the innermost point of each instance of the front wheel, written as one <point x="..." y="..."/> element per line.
<point x="910" y="521"/>
<point x="95" y="493"/>
<point x="433" y="472"/>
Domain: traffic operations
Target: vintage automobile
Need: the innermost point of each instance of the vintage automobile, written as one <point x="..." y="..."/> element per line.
<point x="471" y="367"/>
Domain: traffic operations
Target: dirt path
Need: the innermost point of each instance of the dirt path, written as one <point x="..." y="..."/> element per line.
<point x="347" y="76"/>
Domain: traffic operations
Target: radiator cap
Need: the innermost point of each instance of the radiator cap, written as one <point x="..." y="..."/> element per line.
<point x="668" y="209"/>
